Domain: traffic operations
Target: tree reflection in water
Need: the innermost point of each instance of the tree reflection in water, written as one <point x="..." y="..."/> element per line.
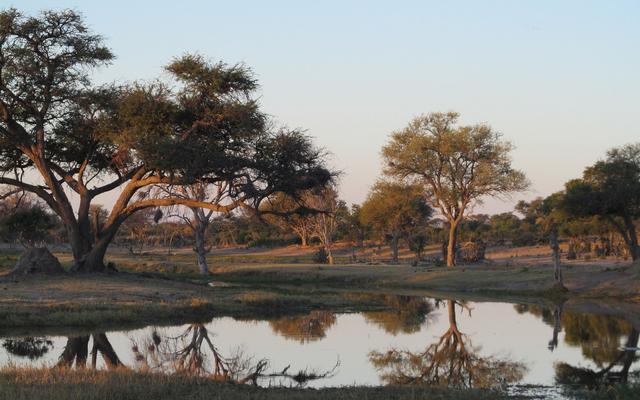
<point x="407" y="314"/>
<point x="76" y="352"/>
<point x="193" y="352"/>
<point x="304" y="329"/>
<point x="32" y="348"/>
<point x="600" y="338"/>
<point x="451" y="361"/>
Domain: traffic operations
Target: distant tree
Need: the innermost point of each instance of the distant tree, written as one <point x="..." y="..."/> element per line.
<point x="279" y="210"/>
<point x="397" y="210"/>
<point x="197" y="219"/>
<point x="456" y="165"/>
<point x="505" y="227"/>
<point x="137" y="228"/>
<point x="611" y="189"/>
<point x="550" y="218"/>
<point x="327" y="212"/>
<point x="355" y="231"/>
<point x="474" y="228"/>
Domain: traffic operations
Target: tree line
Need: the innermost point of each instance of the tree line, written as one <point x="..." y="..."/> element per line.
<point x="192" y="157"/>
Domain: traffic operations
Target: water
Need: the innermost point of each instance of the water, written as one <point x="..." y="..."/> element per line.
<point x="422" y="341"/>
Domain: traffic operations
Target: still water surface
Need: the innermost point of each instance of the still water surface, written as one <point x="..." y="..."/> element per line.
<point x="422" y="341"/>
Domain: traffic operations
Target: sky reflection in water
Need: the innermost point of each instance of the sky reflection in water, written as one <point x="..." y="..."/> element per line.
<point x="420" y="342"/>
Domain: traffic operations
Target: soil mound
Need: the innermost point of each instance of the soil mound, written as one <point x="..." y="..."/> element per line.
<point x="38" y="260"/>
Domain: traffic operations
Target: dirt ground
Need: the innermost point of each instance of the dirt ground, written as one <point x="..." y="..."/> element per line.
<point x="155" y="286"/>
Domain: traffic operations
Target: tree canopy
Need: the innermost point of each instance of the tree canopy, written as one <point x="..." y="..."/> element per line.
<point x="82" y="140"/>
<point x="396" y="210"/>
<point x="456" y="165"/>
<point x="611" y="189"/>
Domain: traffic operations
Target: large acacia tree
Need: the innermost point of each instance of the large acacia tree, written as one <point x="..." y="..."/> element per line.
<point x="68" y="141"/>
<point x="457" y="165"/>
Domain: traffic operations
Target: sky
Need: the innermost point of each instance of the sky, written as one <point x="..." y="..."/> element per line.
<point x="559" y="79"/>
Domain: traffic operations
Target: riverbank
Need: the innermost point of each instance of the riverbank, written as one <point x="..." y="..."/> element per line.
<point x="136" y="299"/>
<point x="63" y="384"/>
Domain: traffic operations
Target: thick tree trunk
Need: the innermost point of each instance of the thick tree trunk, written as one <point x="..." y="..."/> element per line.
<point x="92" y="260"/>
<point x="451" y="245"/>
<point x="101" y="344"/>
<point x="303" y="241"/>
<point x="200" y="245"/>
<point x="199" y="224"/>
<point x="202" y="263"/>
<point x="76" y="350"/>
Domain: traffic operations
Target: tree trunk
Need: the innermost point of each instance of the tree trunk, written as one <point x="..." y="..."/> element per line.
<point x="555" y="247"/>
<point x="329" y="255"/>
<point x="201" y="252"/>
<point x="629" y="354"/>
<point x="303" y="240"/>
<point x="76" y="350"/>
<point x="101" y="344"/>
<point x="557" y="327"/>
<point x="93" y="260"/>
<point x="394" y="246"/>
<point x="451" y="245"/>
<point x="200" y="248"/>
<point x="451" y="308"/>
<point x="632" y="241"/>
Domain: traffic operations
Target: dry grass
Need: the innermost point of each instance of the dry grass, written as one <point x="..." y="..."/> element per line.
<point x="118" y="300"/>
<point x="59" y="384"/>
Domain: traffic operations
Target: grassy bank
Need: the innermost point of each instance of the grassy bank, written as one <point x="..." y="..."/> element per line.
<point x="122" y="300"/>
<point x="64" y="384"/>
<point x="589" y="280"/>
<point x="56" y="384"/>
<point x="158" y="289"/>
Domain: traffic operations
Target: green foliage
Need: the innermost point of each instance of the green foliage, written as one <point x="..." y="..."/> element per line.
<point x="456" y="165"/>
<point x="204" y="127"/>
<point x="27" y="225"/>
<point x="610" y="189"/>
<point x="396" y="209"/>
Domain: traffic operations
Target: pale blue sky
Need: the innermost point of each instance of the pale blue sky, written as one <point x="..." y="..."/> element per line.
<point x="560" y="79"/>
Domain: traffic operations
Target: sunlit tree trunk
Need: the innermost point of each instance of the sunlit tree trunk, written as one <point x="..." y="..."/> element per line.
<point x="451" y="245"/>
<point x="394" y="246"/>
